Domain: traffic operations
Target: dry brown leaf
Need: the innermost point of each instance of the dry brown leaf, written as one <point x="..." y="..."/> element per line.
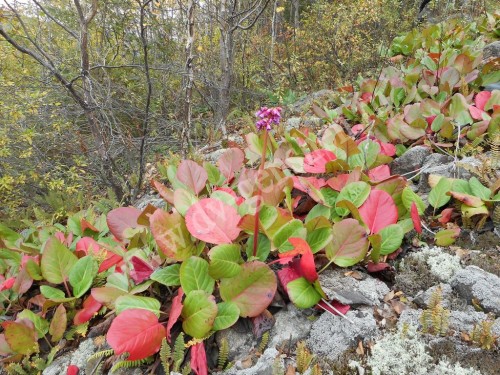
<point x="360" y="350"/>
<point x="465" y="336"/>
<point x="398" y="306"/>
<point x="355" y="275"/>
<point x="290" y="370"/>
<point x="389" y="296"/>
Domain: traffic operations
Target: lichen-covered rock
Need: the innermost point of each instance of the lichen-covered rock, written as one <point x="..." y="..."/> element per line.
<point x="411" y="161"/>
<point x="332" y="335"/>
<point x="289" y="323"/>
<point x="422" y="299"/>
<point x="293" y="123"/>
<point x="442" y="265"/>
<point x="263" y="366"/>
<point x="350" y="291"/>
<point x="78" y="358"/>
<point x="491" y="51"/>
<point x="240" y="338"/>
<point x="474" y="283"/>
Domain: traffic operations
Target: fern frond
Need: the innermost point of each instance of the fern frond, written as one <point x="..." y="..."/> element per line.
<point x="223" y="353"/>
<point x="186" y="370"/>
<point x="304" y="357"/>
<point x="263" y="342"/>
<point x="15" y="369"/>
<point x="316" y="370"/>
<point x="436" y="298"/>
<point x="80" y="330"/>
<point x="165" y="353"/>
<point x="178" y="354"/>
<point x="101" y="354"/>
<point x="496" y="215"/>
<point x="482" y="335"/>
<point x="130" y="364"/>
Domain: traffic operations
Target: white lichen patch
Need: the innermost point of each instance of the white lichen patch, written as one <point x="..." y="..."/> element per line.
<point x="442" y="265"/>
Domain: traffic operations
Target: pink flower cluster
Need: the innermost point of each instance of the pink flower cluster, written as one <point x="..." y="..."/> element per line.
<point x="268" y="116"/>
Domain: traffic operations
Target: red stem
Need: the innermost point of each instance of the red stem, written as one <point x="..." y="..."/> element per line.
<point x="259" y="193"/>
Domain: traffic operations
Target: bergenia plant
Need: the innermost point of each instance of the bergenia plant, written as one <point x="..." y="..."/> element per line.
<point x="267" y="117"/>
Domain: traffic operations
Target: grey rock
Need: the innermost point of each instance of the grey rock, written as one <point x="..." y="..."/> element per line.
<point x="349" y="291"/>
<point x="154" y="200"/>
<point x="78" y="358"/>
<point x="303" y="104"/>
<point x="214" y="156"/>
<point x="422" y="299"/>
<point x="491" y="51"/>
<point x="240" y="338"/>
<point x="411" y="161"/>
<point x="473" y="282"/>
<point x="312" y="122"/>
<point x="293" y="123"/>
<point x="290" y="322"/>
<point x="464" y="321"/>
<point x="332" y="335"/>
<point x="264" y="365"/>
<point x="444" y="165"/>
<point x="410" y="317"/>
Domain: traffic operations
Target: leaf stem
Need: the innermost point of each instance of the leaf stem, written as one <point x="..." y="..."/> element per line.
<point x="325" y="267"/>
<point x="259" y="193"/>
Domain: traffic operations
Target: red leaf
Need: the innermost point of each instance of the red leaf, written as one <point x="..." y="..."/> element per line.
<point x="110" y="261"/>
<point x="306" y="264"/>
<point x="142" y="270"/>
<point x="7" y="284"/>
<point x="315" y="162"/>
<point x="213" y="221"/>
<point x="72" y="370"/>
<point x="164" y="191"/>
<point x="192" y="175"/>
<point x="481" y="99"/>
<point x="90" y="308"/>
<point x="378" y="211"/>
<point x="286" y="275"/>
<point x="175" y="311"/>
<point x="415" y="218"/>
<point x="84" y="224"/>
<point x="338" y="182"/>
<point x="86" y="246"/>
<point x="199" y="359"/>
<point x="445" y="215"/>
<point x="318" y="183"/>
<point x="137" y="332"/>
<point x="339" y="306"/>
<point x="377" y="267"/>
<point x="121" y="219"/>
<point x="469" y="200"/>
<point x="379" y="173"/>
<point x="231" y="162"/>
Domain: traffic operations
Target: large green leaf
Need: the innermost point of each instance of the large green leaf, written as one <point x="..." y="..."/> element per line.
<point x="21" y="336"/>
<point x="294" y="228"/>
<point x="168" y="276"/>
<point x="54" y="294"/>
<point x="438" y="196"/>
<point x="408" y="197"/>
<point x="392" y="238"/>
<point x="355" y="192"/>
<point x="198" y="313"/>
<point x="478" y="189"/>
<point x="82" y="275"/>
<point x="319" y="238"/>
<point x="41" y="325"/>
<point x="225" y="261"/>
<point x="57" y="261"/>
<point x="349" y="244"/>
<point x="302" y="293"/>
<point x="263" y="247"/>
<point x="129" y="301"/>
<point x="252" y="290"/>
<point x="228" y="313"/>
<point x="194" y="275"/>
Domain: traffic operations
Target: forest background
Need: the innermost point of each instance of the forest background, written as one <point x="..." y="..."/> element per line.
<point x="93" y="91"/>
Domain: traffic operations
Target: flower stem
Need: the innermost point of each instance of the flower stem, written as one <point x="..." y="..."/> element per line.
<point x="259" y="193"/>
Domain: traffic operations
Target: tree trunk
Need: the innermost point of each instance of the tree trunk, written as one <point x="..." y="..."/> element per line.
<point x="186" y="128"/>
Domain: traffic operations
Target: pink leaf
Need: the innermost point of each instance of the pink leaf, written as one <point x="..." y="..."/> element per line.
<point x="386" y="148"/>
<point x="415" y="218"/>
<point x="175" y="311"/>
<point x="339" y="306"/>
<point x="192" y="175"/>
<point x="377" y="267"/>
<point x="315" y="162"/>
<point x="7" y="284"/>
<point x="445" y="215"/>
<point x="90" y="308"/>
<point x="165" y="192"/>
<point x="481" y="99"/>
<point x="231" y="162"/>
<point x="378" y="211"/>
<point x="72" y="370"/>
<point x="121" y="219"/>
<point x="476" y="113"/>
<point x="137" y="332"/>
<point x="141" y="271"/>
<point x="306" y="264"/>
<point x="84" y="224"/>
<point x="338" y="182"/>
<point x="86" y="246"/>
<point x="199" y="359"/>
<point x="213" y="221"/>
<point x="298" y="183"/>
<point x="379" y="173"/>
<point x="110" y="261"/>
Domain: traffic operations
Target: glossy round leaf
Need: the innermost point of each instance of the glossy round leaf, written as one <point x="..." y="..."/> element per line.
<point x="252" y="290"/>
<point x="82" y="275"/>
<point x="392" y="238"/>
<point x="302" y="293"/>
<point x="57" y="261"/>
<point x="225" y="261"/>
<point x="198" y="313"/>
<point x="349" y="244"/>
<point x="194" y="275"/>
<point x="228" y="313"/>
<point x="355" y="192"/>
